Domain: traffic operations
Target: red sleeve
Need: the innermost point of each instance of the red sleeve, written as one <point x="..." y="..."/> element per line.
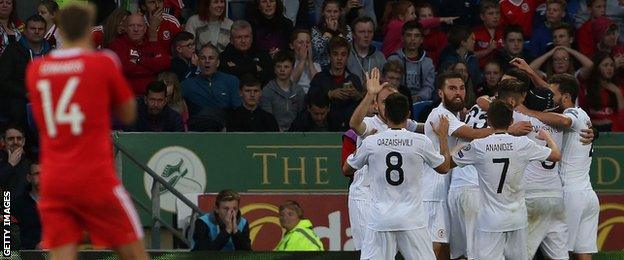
<point x="585" y="39"/>
<point x="120" y="91"/>
<point x="348" y="147"/>
<point x="392" y="40"/>
<point x="430" y="23"/>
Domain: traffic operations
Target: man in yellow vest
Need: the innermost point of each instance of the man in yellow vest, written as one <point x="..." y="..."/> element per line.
<point x="299" y="235"/>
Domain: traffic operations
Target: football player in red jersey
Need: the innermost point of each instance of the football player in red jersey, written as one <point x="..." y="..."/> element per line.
<point x="73" y="91"/>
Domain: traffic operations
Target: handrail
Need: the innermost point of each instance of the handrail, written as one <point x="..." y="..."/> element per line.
<point x="171" y="229"/>
<point x="155" y="212"/>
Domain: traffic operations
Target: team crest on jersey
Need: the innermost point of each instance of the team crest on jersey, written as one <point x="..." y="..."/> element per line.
<point x="525" y="7"/>
<point x="441" y="233"/>
<point x="166" y="35"/>
<point x="460" y="154"/>
<point x="467" y="147"/>
<point x="181" y="168"/>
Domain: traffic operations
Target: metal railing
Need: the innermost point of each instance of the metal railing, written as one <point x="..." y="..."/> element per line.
<point x="154" y="210"/>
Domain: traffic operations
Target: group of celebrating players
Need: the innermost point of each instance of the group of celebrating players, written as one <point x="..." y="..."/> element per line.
<point x="498" y="181"/>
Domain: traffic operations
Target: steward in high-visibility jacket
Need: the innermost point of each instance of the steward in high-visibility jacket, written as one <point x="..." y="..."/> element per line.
<point x="300" y="238"/>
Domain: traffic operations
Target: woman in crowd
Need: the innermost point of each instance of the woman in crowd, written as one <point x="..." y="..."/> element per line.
<point x="330" y="25"/>
<point x="299" y="235"/>
<point x="601" y="96"/>
<point x="10" y="25"/>
<point x="114" y="27"/>
<point x="174" y="95"/>
<point x="210" y="25"/>
<point x="492" y="74"/>
<point x="559" y="61"/>
<point x="396" y="14"/>
<point x="305" y="68"/>
<point x="47" y="9"/>
<point x="272" y="31"/>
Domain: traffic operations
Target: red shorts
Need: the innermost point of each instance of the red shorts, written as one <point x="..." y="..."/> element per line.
<point x="105" y="212"/>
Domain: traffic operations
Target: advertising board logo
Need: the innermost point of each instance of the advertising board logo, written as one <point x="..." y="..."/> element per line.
<point x="181" y="168"/>
<point x="614" y="219"/>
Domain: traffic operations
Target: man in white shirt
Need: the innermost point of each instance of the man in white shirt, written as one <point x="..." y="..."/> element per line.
<point x="395" y="160"/>
<point x="500" y="160"/>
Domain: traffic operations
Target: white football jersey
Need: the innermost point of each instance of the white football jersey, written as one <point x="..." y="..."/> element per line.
<point x="576" y="157"/>
<point x="542" y="178"/>
<point x="467" y="176"/>
<point x="500" y="160"/>
<point x="395" y="160"/>
<point x="435" y="186"/>
<point x="358" y="190"/>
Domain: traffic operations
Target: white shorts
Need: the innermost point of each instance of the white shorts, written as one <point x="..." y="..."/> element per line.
<point x="582" y="209"/>
<point x="413" y="244"/>
<point x="439" y="222"/>
<point x="547" y="227"/>
<point x="509" y="245"/>
<point x="359" y="215"/>
<point x="463" y="203"/>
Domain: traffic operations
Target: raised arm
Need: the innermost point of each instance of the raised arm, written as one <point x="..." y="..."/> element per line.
<point x="373" y="87"/>
<point x="535" y="77"/>
<point x="550" y="118"/>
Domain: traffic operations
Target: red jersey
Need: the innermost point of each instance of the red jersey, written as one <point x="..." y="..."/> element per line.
<point x="72" y="100"/>
<point x="520" y="14"/>
<point x="434" y="43"/>
<point x="169" y="27"/>
<point x="173" y="7"/>
<point x="482" y="40"/>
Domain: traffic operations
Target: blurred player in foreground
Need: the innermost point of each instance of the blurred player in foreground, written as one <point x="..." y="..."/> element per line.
<point x="73" y="91"/>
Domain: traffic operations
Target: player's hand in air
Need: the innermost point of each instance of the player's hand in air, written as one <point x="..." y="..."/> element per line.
<point x="373" y="86"/>
<point x="521" y="64"/>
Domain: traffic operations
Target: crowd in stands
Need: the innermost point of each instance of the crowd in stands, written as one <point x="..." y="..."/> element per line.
<point x="300" y="65"/>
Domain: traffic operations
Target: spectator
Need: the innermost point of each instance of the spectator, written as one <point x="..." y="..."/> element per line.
<point x="153" y="113"/>
<point x="212" y="88"/>
<point x="184" y="62"/>
<point x="601" y="97"/>
<point x="615" y="13"/>
<point x="13" y="68"/>
<point x="560" y="61"/>
<point x="492" y="74"/>
<point x="364" y="56"/>
<point x="174" y="95"/>
<point x="223" y="229"/>
<point x="489" y="35"/>
<point x="165" y="25"/>
<point x="26" y="212"/>
<point x="14" y="165"/>
<point x="330" y="25"/>
<point x="299" y="13"/>
<point x="584" y="36"/>
<point x="394" y="18"/>
<point x="359" y="8"/>
<point x="562" y="35"/>
<point x="114" y="27"/>
<point x="393" y="72"/>
<point x="271" y="29"/>
<point x="314" y="119"/>
<point x="419" y="70"/>
<point x="141" y="60"/>
<point x="11" y="26"/>
<point x="47" y="9"/>
<point x="461" y="68"/>
<point x="461" y="48"/>
<point x="518" y="12"/>
<point x="250" y="117"/>
<point x="513" y="47"/>
<point x="605" y="35"/>
<point x="542" y="31"/>
<point x="282" y="97"/>
<point x="174" y="7"/>
<point x="241" y="57"/>
<point x="341" y="86"/>
<point x="434" y="39"/>
<point x="305" y="68"/>
<point x="210" y="25"/>
<point x="299" y="235"/>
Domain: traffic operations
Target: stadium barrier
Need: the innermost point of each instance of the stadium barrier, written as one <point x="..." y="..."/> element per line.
<point x="303" y="166"/>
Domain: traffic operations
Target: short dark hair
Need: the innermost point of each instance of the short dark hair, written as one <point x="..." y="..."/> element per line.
<point x="36" y="18"/>
<point x="181" y="37"/>
<point x="564" y="26"/>
<point x="567" y="84"/>
<point x="499" y="114"/>
<point x="52" y="6"/>
<point x="392" y="66"/>
<point x="292" y="205"/>
<point x="13" y="126"/>
<point x="317" y="98"/>
<point x="75" y="21"/>
<point x="442" y="77"/>
<point x="411" y="25"/>
<point x="157" y="87"/>
<point x="397" y="108"/>
<point x="521" y="76"/>
<point x="338" y="42"/>
<point x="249" y="80"/>
<point x="487" y="4"/>
<point x="457" y="34"/>
<point x="284" y="55"/>
<point x="362" y="19"/>
<point x="212" y="47"/>
<point x="512" y="28"/>
<point x="296" y="33"/>
<point x="510" y="88"/>
<point x="226" y="195"/>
